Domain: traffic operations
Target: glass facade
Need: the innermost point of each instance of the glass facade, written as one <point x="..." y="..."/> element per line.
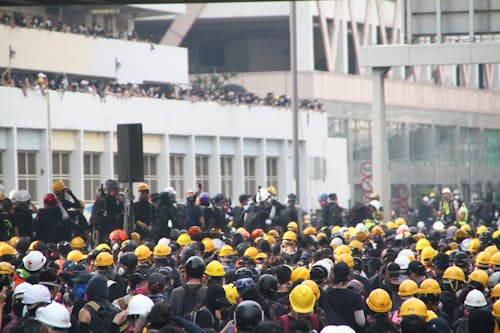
<point x="396" y="138"/>
<point x="421" y="145"/>
<point x="446" y="145"/>
<point x="361" y="145"/>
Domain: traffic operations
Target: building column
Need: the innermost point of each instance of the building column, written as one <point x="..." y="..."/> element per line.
<point x="164" y="164"/>
<point x="43" y="163"/>
<point x="260" y="165"/>
<point x="214" y="181"/>
<point x="10" y="160"/>
<point x="238" y="172"/>
<point x="107" y="162"/>
<point x="380" y="151"/>
<point x="189" y="167"/>
<point x="76" y="165"/>
<point x="305" y="36"/>
<point x="283" y="168"/>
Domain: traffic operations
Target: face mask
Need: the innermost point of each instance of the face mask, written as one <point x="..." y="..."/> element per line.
<point x="140" y="291"/>
<point x="121" y="271"/>
<point x="116" y="246"/>
<point x="402" y="277"/>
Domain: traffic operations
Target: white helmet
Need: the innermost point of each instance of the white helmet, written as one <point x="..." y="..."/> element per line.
<point x="22" y="196"/>
<point x="325" y="264"/>
<point x="402" y="229"/>
<point x="12" y="195"/>
<point x="36" y="293"/>
<point x="420" y="224"/>
<point x="361" y="227"/>
<point x="139" y="305"/>
<point x="54" y="315"/>
<point x="438" y="226"/>
<point x="262" y="195"/>
<point x="475" y="299"/>
<point x="494" y="279"/>
<point x="406" y="253"/>
<point x="403" y="262"/>
<point x="337" y="329"/>
<point x="336" y="241"/>
<point x="21" y="288"/>
<point x="164" y="241"/>
<point x="170" y="190"/>
<point x="375" y="204"/>
<point x="446" y="190"/>
<point x="464" y="246"/>
<point x="34" y="261"/>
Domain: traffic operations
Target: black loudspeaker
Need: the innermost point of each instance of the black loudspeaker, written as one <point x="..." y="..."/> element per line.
<point x="130" y="154"/>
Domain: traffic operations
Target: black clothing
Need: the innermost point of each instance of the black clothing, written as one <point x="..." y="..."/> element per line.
<point x="46" y="222"/>
<point x="193" y="213"/>
<point x="22" y="219"/>
<point x="339" y="305"/>
<point x="331" y="215"/>
<point x="107" y="215"/>
<point x="144" y="212"/>
<point x="165" y="211"/>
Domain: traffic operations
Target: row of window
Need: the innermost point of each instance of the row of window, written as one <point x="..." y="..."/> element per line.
<point x="27" y="172"/>
<point x="441" y="145"/>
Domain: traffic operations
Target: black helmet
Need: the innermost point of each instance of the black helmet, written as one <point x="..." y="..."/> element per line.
<point x="460" y="259"/>
<point x="247" y="315"/>
<point x="130" y="246"/>
<point x="195" y="267"/>
<point x="129" y="260"/>
<point x="218" y="197"/>
<point x="174" y="234"/>
<point x="267" y="285"/>
<point x="111" y="185"/>
<point x="358" y="263"/>
<point x="22" y="244"/>
<point x="230" y="276"/>
<point x="244" y="273"/>
<point x="63" y="247"/>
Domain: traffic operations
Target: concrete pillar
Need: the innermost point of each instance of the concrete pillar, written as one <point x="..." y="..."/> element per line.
<point x="380" y="152"/>
<point x="76" y="165"/>
<point x="164" y="164"/>
<point x="214" y="167"/>
<point x="283" y="168"/>
<point x="107" y="157"/>
<point x="260" y="164"/>
<point x="342" y="63"/>
<point x="43" y="164"/>
<point x="10" y="160"/>
<point x="305" y="37"/>
<point x="189" y="168"/>
<point x="238" y="172"/>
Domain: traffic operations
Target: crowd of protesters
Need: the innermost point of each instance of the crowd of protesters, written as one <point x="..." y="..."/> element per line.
<point x="38" y="83"/>
<point x="204" y="265"/>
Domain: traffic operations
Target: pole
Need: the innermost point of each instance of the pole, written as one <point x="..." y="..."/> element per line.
<point x="295" y="105"/>
<point x="49" y="138"/>
<point x="380" y="152"/>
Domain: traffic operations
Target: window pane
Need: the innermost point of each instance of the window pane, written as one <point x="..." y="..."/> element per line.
<point x="56" y="163"/>
<point x="86" y="164"/>
<point x="96" y="168"/>
<point x="491" y="148"/>
<point x="65" y="163"/>
<point x="31" y="163"/>
<point x="152" y="165"/>
<point x="31" y="187"/>
<point x="396" y="141"/>
<point x="421" y="146"/>
<point x="361" y="150"/>
<point x="445" y="140"/>
<point x="21" y="163"/>
<point x="337" y="127"/>
<point x="472" y="145"/>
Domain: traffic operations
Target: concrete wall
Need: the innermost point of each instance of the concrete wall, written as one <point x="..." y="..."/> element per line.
<point x="42" y="50"/>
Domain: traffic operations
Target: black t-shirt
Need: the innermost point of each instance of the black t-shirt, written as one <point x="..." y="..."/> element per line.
<point x="343" y="302"/>
<point x="193" y="214"/>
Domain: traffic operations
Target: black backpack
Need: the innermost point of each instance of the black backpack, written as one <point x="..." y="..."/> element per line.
<point x="190" y="299"/>
<point x="101" y="316"/>
<point x="335" y="214"/>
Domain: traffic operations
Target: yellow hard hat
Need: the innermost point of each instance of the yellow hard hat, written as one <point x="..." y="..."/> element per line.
<point x="77" y="243"/>
<point x="104" y="259"/>
<point x="474" y="245"/>
<point x="231" y="293"/>
<point x="355" y="244"/>
<point x="251" y="252"/>
<point x="483" y="258"/>
<point x="314" y="287"/>
<point x="161" y="250"/>
<point x="479" y="276"/>
<point x="496" y="309"/>
<point x="466" y="227"/>
<point x="377" y="231"/>
<point x="136" y="237"/>
<point x="183" y="240"/>
<point x="143" y="187"/>
<point x="6" y="268"/>
<point x="379" y="301"/>
<point x="391" y="225"/>
<point x="290" y="236"/>
<point x="293" y="226"/>
<point x="428" y="253"/>
<point x="261" y="255"/>
<point x="7" y="250"/>
<point x="215" y="269"/>
<point x="413" y="306"/>
<point x="496" y="234"/>
<point x="58" y="185"/>
<point x="32" y="245"/>
<point x="309" y="231"/>
<point x="492" y="249"/>
<point x="460" y="234"/>
<point x="299" y="273"/>
<point x="75" y="256"/>
<point x="454" y="273"/>
<point x="208" y="244"/>
<point x="142" y="252"/>
<point x="320" y="236"/>
<point x="342" y="249"/>
<point x="481" y="229"/>
<point x="495" y="259"/>
<point x="273" y="233"/>
<point x="226" y="250"/>
<point x="399" y="221"/>
<point x="361" y="236"/>
<point x="347" y="258"/>
<point x="270" y="239"/>
<point x="302" y="299"/>
<point x="271" y="189"/>
<point x="495" y="292"/>
<point x="430" y="315"/>
<point x="430" y="286"/>
<point x="102" y="246"/>
<point x="408" y="288"/>
<point x="13" y="240"/>
<point x="421" y="243"/>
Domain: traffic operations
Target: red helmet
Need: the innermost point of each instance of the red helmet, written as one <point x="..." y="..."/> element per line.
<point x="50" y="199"/>
<point x="117" y="234"/>
<point x="257" y="233"/>
<point x="194" y="231"/>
